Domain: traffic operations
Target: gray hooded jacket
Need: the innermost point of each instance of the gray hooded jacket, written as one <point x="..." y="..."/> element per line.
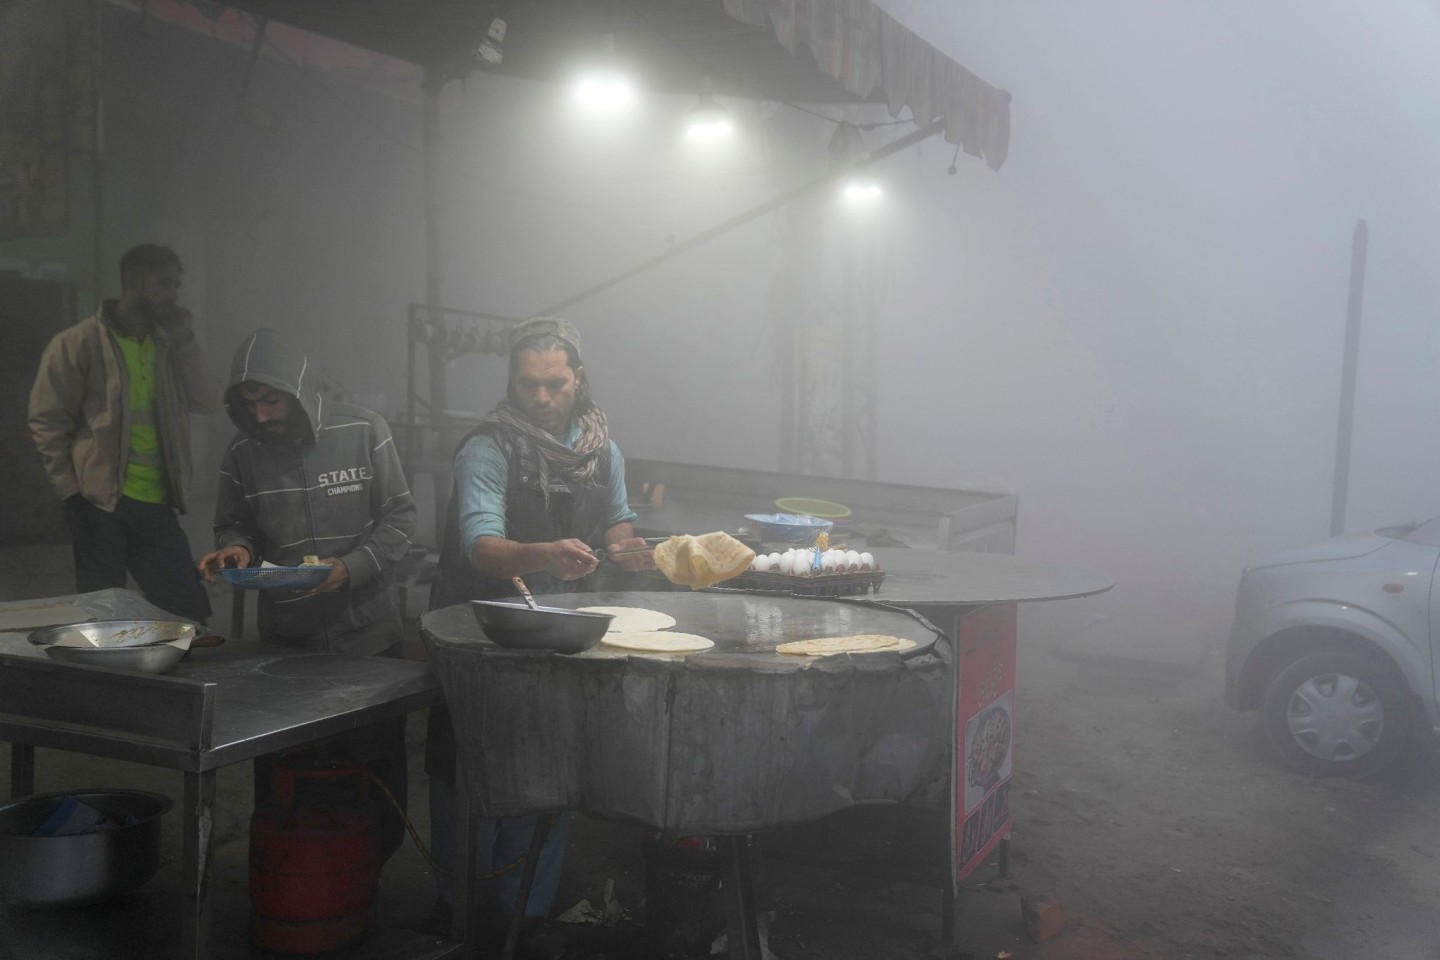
<point x="337" y="491"/>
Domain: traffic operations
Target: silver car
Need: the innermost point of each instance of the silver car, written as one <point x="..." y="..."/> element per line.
<point x="1332" y="644"/>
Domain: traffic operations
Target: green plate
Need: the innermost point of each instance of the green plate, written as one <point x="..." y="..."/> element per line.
<point x="824" y="509"/>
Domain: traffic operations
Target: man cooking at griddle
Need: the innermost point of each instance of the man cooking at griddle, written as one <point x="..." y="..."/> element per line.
<point x="538" y="486"/>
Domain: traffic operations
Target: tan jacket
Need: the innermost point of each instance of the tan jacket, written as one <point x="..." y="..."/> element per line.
<point x="80" y="410"/>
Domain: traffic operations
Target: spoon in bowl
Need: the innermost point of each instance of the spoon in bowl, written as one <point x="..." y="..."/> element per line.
<point x="525" y="592"/>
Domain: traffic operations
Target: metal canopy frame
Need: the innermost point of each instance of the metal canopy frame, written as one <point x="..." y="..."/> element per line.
<point x="752" y="48"/>
<point x="674" y="43"/>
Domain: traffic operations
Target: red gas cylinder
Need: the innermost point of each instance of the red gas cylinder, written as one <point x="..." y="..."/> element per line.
<point x="313" y="860"/>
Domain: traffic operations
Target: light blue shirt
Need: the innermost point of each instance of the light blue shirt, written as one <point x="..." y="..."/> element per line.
<point x="482" y="472"/>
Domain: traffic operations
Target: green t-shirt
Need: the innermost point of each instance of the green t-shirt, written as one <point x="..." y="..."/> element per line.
<point x="144" y="473"/>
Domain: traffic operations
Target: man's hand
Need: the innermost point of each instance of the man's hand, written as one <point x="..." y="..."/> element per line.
<point x="178" y="322"/>
<point x="633" y="562"/>
<point x="339" y="576"/>
<point x="569" y="559"/>
<point x="231" y="556"/>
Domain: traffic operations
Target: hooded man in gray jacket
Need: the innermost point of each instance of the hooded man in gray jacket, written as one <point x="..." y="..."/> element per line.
<point x="309" y="476"/>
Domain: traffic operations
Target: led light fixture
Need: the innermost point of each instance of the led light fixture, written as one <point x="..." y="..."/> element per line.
<point x="707" y="120"/>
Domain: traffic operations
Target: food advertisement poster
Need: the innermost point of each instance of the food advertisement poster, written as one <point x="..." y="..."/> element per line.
<point x="984" y="733"/>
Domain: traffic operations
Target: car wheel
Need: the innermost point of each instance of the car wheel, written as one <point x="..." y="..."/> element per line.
<point x="1337" y="714"/>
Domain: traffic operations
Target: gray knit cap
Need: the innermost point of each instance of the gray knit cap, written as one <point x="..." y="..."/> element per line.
<point x="545" y="327"/>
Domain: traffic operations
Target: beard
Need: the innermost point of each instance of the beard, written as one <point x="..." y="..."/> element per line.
<point x="280" y="431"/>
<point x="156" y="311"/>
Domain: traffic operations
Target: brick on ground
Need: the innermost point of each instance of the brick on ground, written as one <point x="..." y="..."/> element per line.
<point x="1044" y="917"/>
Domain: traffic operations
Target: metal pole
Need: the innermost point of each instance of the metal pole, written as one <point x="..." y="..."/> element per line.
<point x="197" y="843"/>
<point x="97" y="165"/>
<point x="675" y="249"/>
<point x="257" y="43"/>
<point x="410" y="387"/>
<point x="434" y="82"/>
<point x="541" y="832"/>
<point x="851" y="264"/>
<point x="22" y="769"/>
<point x="1341" y="488"/>
<point x="741" y="927"/>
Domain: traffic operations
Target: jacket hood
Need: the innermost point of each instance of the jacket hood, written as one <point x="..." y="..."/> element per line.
<point x="264" y="358"/>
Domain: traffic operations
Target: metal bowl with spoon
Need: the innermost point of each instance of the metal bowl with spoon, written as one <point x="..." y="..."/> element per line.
<point x="530" y="626"/>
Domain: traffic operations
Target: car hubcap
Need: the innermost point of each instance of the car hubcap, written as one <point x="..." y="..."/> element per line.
<point x="1335" y="717"/>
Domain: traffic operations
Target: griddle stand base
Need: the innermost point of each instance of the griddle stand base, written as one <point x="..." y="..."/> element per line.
<point x="736" y="886"/>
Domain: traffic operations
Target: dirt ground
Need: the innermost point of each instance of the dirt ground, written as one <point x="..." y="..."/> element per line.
<point x="1156" y="815"/>
<point x="1149" y="809"/>
<point x="1159" y="819"/>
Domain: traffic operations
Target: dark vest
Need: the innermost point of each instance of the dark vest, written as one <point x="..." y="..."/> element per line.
<point x="572" y="510"/>
<point x="579" y="511"/>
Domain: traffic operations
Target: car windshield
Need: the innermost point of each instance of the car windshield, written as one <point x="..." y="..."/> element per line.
<point x="1416" y="531"/>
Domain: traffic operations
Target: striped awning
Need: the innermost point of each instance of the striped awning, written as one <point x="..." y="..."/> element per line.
<point x="873" y="55"/>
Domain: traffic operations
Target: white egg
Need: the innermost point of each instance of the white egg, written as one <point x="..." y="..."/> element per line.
<point x="774" y="558"/>
<point x="827" y="562"/>
<point x="852" y="559"/>
<point x="867" y="561"/>
<point x="786" y="564"/>
<point x="760" y="564"/>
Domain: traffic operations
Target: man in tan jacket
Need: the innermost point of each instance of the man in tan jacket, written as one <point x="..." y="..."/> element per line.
<point x="109" y="411"/>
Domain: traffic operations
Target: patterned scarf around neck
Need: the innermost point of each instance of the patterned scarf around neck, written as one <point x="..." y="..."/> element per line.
<point x="576" y="466"/>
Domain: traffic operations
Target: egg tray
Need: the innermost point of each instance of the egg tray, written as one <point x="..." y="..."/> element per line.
<point x="820" y="585"/>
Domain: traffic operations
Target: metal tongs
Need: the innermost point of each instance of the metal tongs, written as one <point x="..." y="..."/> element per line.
<point x="650" y="544"/>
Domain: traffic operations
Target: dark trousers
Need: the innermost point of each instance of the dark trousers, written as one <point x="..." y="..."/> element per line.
<point x="144" y="539"/>
<point x="380" y="749"/>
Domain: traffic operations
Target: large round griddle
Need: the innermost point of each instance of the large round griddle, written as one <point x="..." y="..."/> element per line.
<point x="746" y="628"/>
<point x="730" y="740"/>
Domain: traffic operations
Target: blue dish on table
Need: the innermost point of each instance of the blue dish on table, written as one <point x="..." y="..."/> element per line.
<point x="275" y="578"/>
<point x="788" y="527"/>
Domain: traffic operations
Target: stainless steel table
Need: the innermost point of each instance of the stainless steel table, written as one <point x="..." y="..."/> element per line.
<point x="218" y="706"/>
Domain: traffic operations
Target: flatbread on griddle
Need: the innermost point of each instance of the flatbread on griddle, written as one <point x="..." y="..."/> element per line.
<point x="699" y="562"/>
<point x="860" y="643"/>
<point x="658" y="641"/>
<point x="634" y="619"/>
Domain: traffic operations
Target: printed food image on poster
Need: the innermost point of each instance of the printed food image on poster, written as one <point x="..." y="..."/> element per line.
<point x="984" y="733"/>
<point x="987" y="750"/>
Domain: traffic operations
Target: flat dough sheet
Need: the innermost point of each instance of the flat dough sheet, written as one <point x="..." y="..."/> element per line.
<point x="860" y="643"/>
<point x="634" y="619"/>
<point x="658" y="641"/>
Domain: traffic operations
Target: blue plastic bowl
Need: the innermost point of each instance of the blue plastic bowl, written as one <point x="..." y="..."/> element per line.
<point x="788" y="527"/>
<point x="275" y="578"/>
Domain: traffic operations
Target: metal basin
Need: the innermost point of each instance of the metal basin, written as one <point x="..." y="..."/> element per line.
<point x="543" y="628"/>
<point x="49" y="871"/>
<point x="146" y="646"/>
